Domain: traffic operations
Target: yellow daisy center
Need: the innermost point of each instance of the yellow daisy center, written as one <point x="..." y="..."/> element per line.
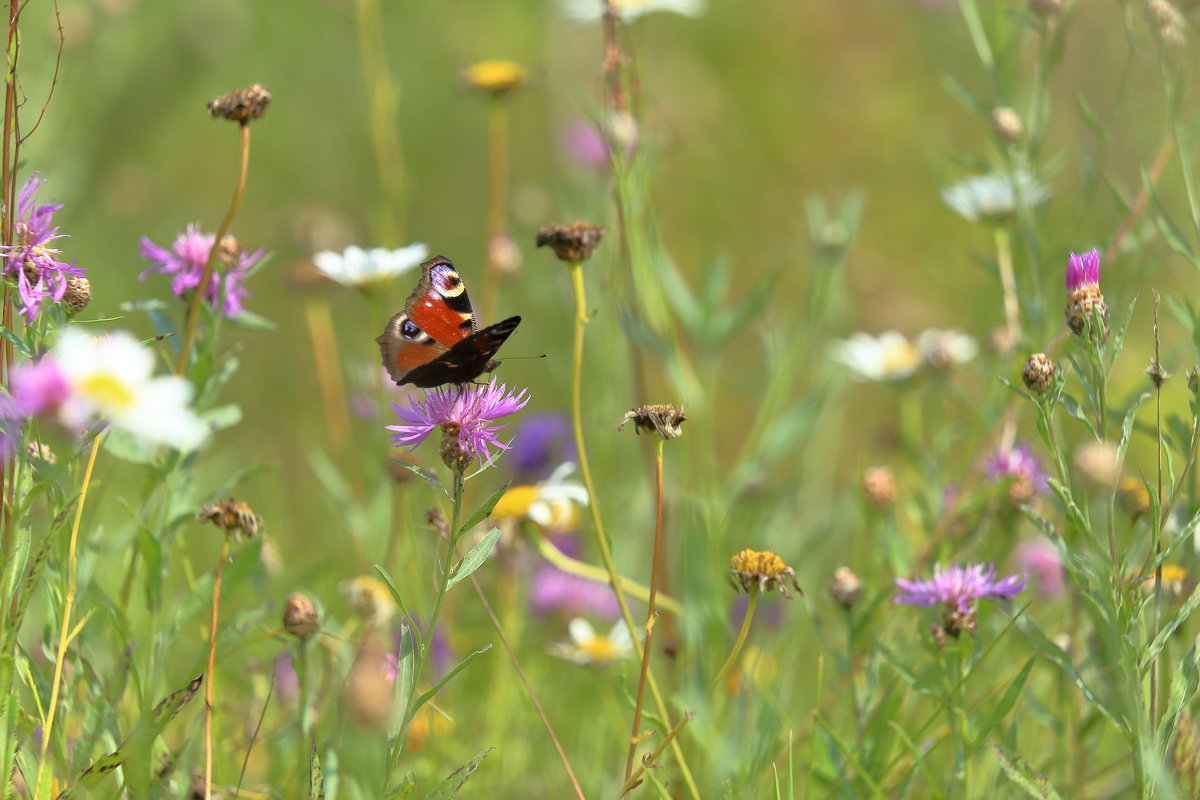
<point x="515" y="503"/>
<point x="107" y="391"/>
<point x="900" y="358"/>
<point x="753" y="562"/>
<point x="599" y="648"/>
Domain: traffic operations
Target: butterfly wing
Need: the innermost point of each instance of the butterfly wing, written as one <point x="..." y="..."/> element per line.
<point x="434" y="339"/>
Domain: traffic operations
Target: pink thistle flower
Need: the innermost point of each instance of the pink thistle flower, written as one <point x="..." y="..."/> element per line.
<point x="1018" y="463"/>
<point x="1083" y="270"/>
<point x="185" y="263"/>
<point x="958" y="587"/>
<point x="470" y="409"/>
<point x="1039" y="557"/>
<point x="31" y="259"/>
<point x="38" y="386"/>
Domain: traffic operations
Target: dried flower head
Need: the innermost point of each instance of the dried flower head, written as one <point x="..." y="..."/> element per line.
<point x="1158" y="375"/>
<point x="845" y="588"/>
<point x="1007" y="124"/>
<point x="761" y="571"/>
<point x="664" y="419"/>
<point x="879" y="487"/>
<point x="1038" y="373"/>
<point x="1099" y="464"/>
<point x="300" y="617"/>
<point x="232" y="517"/>
<point x="78" y="294"/>
<point x="494" y="75"/>
<point x="1084" y="300"/>
<point x="574" y="242"/>
<point x="241" y="105"/>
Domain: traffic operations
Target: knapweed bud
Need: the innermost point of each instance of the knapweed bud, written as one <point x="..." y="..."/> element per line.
<point x="1007" y="124"/>
<point x="845" y="588"/>
<point x="1099" y="464"/>
<point x="755" y="571"/>
<point x="664" y="419"/>
<point x="1084" y="300"/>
<point x="229" y="251"/>
<point x="241" y="105"/>
<point x="879" y="486"/>
<point x="574" y="242"/>
<point x="451" y="451"/>
<point x="232" y="517"/>
<point x="1038" y="373"/>
<point x="300" y="616"/>
<point x="494" y="75"/>
<point x="370" y="689"/>
<point x="78" y="294"/>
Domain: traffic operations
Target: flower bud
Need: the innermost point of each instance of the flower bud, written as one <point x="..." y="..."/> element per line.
<point x="845" y="588"/>
<point x="1007" y="124"/>
<point x="1038" y="373"/>
<point x="1098" y="464"/>
<point x="300" y="617"/>
<point x="78" y="294"/>
<point x="879" y="485"/>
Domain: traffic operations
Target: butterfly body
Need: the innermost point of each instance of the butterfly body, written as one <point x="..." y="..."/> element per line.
<point x="434" y="340"/>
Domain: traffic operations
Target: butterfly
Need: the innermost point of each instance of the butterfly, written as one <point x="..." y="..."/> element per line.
<point x="434" y="340"/>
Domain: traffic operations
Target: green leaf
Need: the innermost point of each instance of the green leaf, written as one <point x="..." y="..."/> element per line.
<point x="405" y="677"/>
<point x="1127" y="425"/>
<point x="404" y="791"/>
<point x="1160" y="641"/>
<point x="455" y="780"/>
<point x="316" y="781"/>
<point x="17" y="342"/>
<point x="1024" y="776"/>
<point x="1007" y="701"/>
<point x="396" y="596"/>
<point x="248" y="320"/>
<point x="484" y="510"/>
<point x="429" y="695"/>
<point x="474" y="558"/>
<point x="424" y="474"/>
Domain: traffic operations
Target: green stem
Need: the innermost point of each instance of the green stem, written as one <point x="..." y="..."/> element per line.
<point x="585" y="470"/>
<point x="1008" y="283"/>
<point x="739" y="642"/>
<point x="497" y="199"/>
<point x="382" y="104"/>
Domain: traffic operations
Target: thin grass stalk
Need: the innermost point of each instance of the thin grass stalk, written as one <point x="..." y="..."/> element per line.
<point x="739" y="642"/>
<point x="668" y="740"/>
<point x="209" y="684"/>
<point x="382" y="104"/>
<point x="329" y="371"/>
<point x="497" y="198"/>
<point x="8" y="184"/>
<point x="189" y="329"/>
<point x="1157" y="376"/>
<point x="655" y="567"/>
<point x="68" y="604"/>
<point x="1008" y="283"/>
<point x="585" y="470"/>
<point x="512" y="655"/>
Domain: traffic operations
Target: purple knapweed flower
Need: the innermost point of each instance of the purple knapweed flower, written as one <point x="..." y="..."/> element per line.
<point x="36" y="387"/>
<point x="470" y="409"/>
<point x="1083" y="270"/>
<point x="1018" y="463"/>
<point x="30" y="258"/>
<point x="1040" y="558"/>
<point x="545" y="442"/>
<point x="185" y="262"/>
<point x="958" y="587"/>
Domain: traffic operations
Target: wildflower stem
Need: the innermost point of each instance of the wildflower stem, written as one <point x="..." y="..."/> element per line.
<point x="209" y="691"/>
<point x="528" y="688"/>
<point x="329" y="371"/>
<point x="653" y="611"/>
<point x="189" y="329"/>
<point x="1008" y="282"/>
<point x="650" y="759"/>
<point x="585" y="470"/>
<point x="68" y="603"/>
<point x="382" y="102"/>
<point x="741" y="640"/>
<point x="586" y="571"/>
<point x="497" y="205"/>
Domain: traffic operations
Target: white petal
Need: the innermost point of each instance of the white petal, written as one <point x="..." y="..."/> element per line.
<point x="581" y="631"/>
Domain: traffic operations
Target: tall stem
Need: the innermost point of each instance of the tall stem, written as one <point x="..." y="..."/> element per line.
<point x="382" y="103"/>
<point x="653" y="612"/>
<point x="1008" y="282"/>
<point x="209" y="684"/>
<point x="497" y="198"/>
<point x="189" y="330"/>
<point x="585" y="470"/>
<point x="68" y="604"/>
<point x="739" y="642"/>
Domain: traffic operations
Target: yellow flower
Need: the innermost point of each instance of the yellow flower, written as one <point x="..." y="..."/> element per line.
<point x="552" y="504"/>
<point x="494" y="75"/>
<point x="1174" y="581"/>
<point x="761" y="571"/>
<point x="371" y="599"/>
<point x="588" y="647"/>
<point x="515" y="503"/>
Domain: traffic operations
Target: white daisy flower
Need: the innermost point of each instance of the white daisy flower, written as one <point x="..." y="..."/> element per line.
<point x="553" y="503"/>
<point x="111" y="378"/>
<point x="890" y="357"/>
<point x="592" y="10"/>
<point x="994" y="196"/>
<point x="588" y="647"/>
<point x="943" y="349"/>
<point x="358" y="268"/>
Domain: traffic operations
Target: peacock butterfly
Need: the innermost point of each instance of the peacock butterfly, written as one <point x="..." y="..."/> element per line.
<point x="434" y="340"/>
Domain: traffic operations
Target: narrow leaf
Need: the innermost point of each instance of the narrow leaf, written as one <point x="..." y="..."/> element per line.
<point x="484" y="510"/>
<point x="1024" y="776"/>
<point x="1007" y="701"/>
<point x="429" y="695"/>
<point x="455" y="780"/>
<point x="474" y="558"/>
<point x="316" y="781"/>
<point x="424" y="474"/>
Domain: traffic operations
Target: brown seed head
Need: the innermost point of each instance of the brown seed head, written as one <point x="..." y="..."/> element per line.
<point x="453" y="456"/>
<point x="1038" y="373"/>
<point x="664" y="419"/>
<point x="241" y="105"/>
<point x="574" y="242"/>
<point x="1083" y="304"/>
<point x="1021" y="490"/>
<point x="229" y="251"/>
<point x="845" y="588"/>
<point x="232" y="517"/>
<point x="78" y="294"/>
<point x="1158" y="375"/>
<point x="300" y="616"/>
<point x="879" y="485"/>
<point x="761" y="571"/>
<point x="1007" y="124"/>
